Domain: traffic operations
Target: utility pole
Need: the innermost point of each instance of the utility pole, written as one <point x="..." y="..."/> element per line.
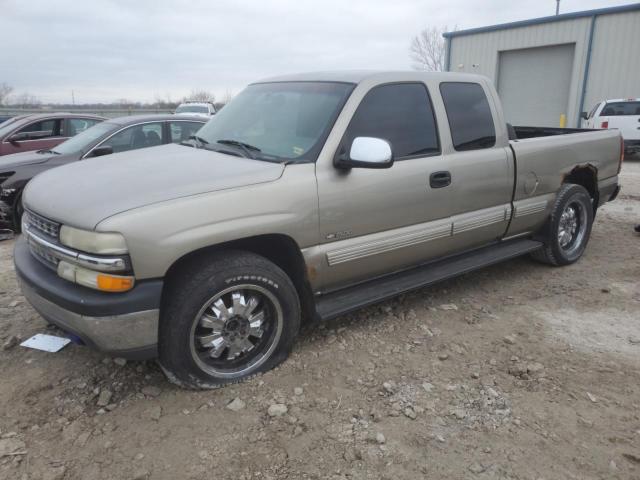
<point x="557" y="7"/>
<point x="73" y="98"/>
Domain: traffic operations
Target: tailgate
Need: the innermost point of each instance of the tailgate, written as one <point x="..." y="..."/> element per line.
<point x="629" y="125"/>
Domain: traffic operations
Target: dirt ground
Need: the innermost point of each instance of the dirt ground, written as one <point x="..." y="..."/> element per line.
<point x="519" y="371"/>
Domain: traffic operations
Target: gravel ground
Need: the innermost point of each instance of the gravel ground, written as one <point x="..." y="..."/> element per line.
<point x="518" y="371"/>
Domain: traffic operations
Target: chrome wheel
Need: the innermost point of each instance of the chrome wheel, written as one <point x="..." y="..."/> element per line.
<point x="572" y="227"/>
<point x="236" y="330"/>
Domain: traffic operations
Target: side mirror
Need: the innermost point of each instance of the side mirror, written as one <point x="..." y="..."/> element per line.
<point x="584" y="115"/>
<point x="367" y="152"/>
<point x="102" y="150"/>
<point x="17" y="137"/>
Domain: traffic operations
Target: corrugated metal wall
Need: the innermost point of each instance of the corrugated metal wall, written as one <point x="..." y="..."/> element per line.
<point x="478" y="53"/>
<point x="615" y="60"/>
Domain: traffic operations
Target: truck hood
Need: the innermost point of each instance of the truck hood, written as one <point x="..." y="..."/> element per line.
<point x="9" y="162"/>
<point x="84" y="193"/>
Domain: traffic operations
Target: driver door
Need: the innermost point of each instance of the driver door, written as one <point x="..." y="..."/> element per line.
<point x="373" y="221"/>
<point x="43" y="134"/>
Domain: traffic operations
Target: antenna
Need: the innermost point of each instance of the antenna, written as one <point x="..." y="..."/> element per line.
<point x="557" y="7"/>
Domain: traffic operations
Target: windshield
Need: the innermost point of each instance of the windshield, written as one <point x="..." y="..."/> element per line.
<point x="84" y="140"/>
<point x="284" y="120"/>
<point x="192" y="109"/>
<point x="8" y="125"/>
<point x="6" y="121"/>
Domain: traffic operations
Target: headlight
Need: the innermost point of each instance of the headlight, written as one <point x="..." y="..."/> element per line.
<point x="105" y="282"/>
<point x="93" y="242"/>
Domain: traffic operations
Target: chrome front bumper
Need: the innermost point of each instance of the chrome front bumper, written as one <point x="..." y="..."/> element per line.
<point x="132" y="335"/>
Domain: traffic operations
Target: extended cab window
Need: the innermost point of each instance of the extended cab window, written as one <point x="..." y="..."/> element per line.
<point x="400" y="113"/>
<point x="469" y="115"/>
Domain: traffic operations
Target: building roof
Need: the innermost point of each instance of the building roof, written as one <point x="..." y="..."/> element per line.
<point x="359" y="76"/>
<point x="541" y="20"/>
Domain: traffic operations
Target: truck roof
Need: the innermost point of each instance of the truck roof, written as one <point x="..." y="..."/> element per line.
<point x="359" y="76"/>
<point x="159" y="117"/>
<point x="623" y="100"/>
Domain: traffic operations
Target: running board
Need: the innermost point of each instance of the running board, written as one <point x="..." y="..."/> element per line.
<point x="352" y="298"/>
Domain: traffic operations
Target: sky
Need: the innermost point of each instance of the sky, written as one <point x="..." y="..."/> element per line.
<point x="144" y="50"/>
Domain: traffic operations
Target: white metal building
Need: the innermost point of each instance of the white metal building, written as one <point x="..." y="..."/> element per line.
<point x="561" y="65"/>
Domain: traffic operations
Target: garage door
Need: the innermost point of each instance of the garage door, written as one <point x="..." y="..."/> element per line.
<point x="533" y="84"/>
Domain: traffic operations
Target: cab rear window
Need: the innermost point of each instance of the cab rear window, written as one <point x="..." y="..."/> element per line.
<point x="615" y="109"/>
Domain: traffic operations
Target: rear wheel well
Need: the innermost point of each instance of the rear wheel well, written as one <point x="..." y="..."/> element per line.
<point x="587" y="177"/>
<point x="282" y="250"/>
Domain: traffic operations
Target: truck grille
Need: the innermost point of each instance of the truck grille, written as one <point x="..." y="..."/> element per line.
<point x="43" y="225"/>
<point x="44" y="228"/>
<point x="43" y="255"/>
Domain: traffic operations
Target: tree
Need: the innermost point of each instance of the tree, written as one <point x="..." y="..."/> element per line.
<point x="228" y="96"/>
<point x="5" y="90"/>
<point x="25" y="100"/>
<point x="165" y="103"/>
<point x="201" y="96"/>
<point x="428" y="50"/>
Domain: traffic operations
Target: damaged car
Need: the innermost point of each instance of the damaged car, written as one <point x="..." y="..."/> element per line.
<point x="112" y="136"/>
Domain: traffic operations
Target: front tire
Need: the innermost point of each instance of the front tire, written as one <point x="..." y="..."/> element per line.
<point x="226" y="318"/>
<point x="18" y="210"/>
<point x="568" y="229"/>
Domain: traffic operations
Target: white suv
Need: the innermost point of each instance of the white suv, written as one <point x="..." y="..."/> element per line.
<point x="202" y="109"/>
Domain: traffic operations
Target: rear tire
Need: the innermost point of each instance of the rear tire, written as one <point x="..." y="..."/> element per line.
<point x="568" y="229"/>
<point x="226" y="318"/>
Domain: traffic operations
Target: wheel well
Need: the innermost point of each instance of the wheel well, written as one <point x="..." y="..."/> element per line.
<point x="586" y="176"/>
<point x="279" y="249"/>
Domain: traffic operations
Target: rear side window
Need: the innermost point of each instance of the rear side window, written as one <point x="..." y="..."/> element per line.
<point x="181" y="131"/>
<point x="400" y="113"/>
<point x="469" y="115"/>
<point x="135" y="137"/>
<point x="77" y="125"/>
<point x="616" y="109"/>
<point x="593" y="110"/>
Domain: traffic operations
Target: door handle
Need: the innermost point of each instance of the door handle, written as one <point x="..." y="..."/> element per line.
<point x="439" y="179"/>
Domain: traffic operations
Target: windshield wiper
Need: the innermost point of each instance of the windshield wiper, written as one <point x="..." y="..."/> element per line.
<point x="247" y="148"/>
<point x="198" y="139"/>
<point x="48" y="151"/>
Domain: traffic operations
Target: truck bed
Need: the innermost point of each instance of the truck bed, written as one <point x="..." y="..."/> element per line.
<point x="522" y="132"/>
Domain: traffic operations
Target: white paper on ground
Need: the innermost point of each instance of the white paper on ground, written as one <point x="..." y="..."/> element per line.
<point x="47" y="343"/>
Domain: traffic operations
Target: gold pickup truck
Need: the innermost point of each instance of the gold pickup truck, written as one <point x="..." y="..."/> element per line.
<point x="306" y="197"/>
